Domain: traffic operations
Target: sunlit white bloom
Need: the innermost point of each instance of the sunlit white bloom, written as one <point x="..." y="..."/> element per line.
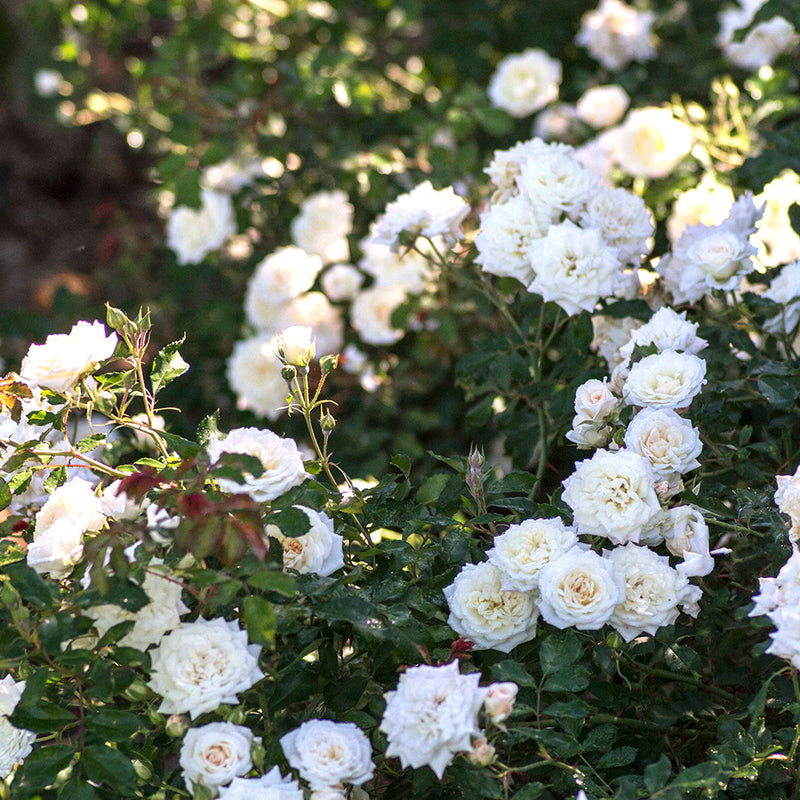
<point x="424" y="211"/>
<point x="74" y="499"/>
<point x="653" y="592"/>
<point x="254" y="375"/>
<point x="611" y="335"/>
<point x="557" y="122"/>
<point x="233" y="174"/>
<point x="281" y="276"/>
<point x="318" y="551"/>
<point x="718" y="257"/>
<point x="667" y="330"/>
<point x="410" y="270"/>
<point x="616" y="34"/>
<point x="594" y="401"/>
<point x="602" y="106"/>
<point x="371" y="314"/>
<point x="708" y="203"/>
<point x="665" y="380"/>
<point x="666" y="440"/>
<point x="432" y="715"/>
<point x="193" y="233"/>
<point x="623" y="219"/>
<point x="279" y="457"/>
<point x="507" y="231"/>
<point x="15" y="743"/>
<point x="734" y="18"/>
<point x="342" y="282"/>
<point x="315" y="311"/>
<point x="612" y="494"/>
<point x="580" y="589"/>
<point x="574" y="267"/>
<point x="763" y="44"/>
<point x="202" y="664"/>
<point x="65" y="358"/>
<point x="296" y="345"/>
<point x="482" y="612"/>
<point x="214" y="754"/>
<point x="781" y="591"/>
<point x="322" y="226"/>
<point x="598" y="155"/>
<point x="58" y="549"/>
<point x="522" y="550"/>
<point x="686" y="536"/>
<point x="651" y="142"/>
<point x="556" y="181"/>
<point x="117" y="504"/>
<point x="47" y="82"/>
<point x="778" y="241"/>
<point x="271" y="786"/>
<point x="525" y="82"/>
<point x="588" y="435"/>
<point x="787" y="498"/>
<point x="329" y="753"/>
<point x="506" y="165"/>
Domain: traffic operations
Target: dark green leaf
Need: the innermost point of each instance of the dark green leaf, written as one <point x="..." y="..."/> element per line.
<point x="42" y="766"/>
<point x="559" y="651"/>
<point x="429" y="492"/>
<point x="273" y="581"/>
<point x="113" y="726"/>
<point x="5" y="494"/>
<point x="291" y="521"/>
<point x="656" y="775"/>
<point x="90" y="442"/>
<point x="167" y="366"/>
<point x="620" y="757"/>
<point x="510" y="670"/>
<point x="31" y="586"/>
<point x="260" y="620"/>
<point x="105" y="764"/>
<point x="532" y="791"/>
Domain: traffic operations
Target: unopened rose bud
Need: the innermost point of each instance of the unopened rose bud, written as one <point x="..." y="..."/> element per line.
<point x="482" y="753"/>
<point x="177" y="725"/>
<point x="662" y="488"/>
<point x="288" y="373"/>
<point x="328" y="364"/>
<point x="137" y="692"/>
<point x="614" y="640"/>
<point x="499" y="700"/>
<point x="297" y="346"/>
<point x="475" y="459"/>
<point x="327" y="422"/>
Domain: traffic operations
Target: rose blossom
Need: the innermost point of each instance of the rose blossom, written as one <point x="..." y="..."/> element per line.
<point x="763" y="44"/>
<point x="499" y="701"/>
<point x="522" y="550"/>
<point x="482" y="753"/>
<point x="322" y="226"/>
<point x="315" y="311"/>
<point x="777" y="240"/>
<point x="686" y="536"/>
<point x="653" y="591"/>
<point x="580" y="588"/>
<point x="15" y="743"/>
<point x="594" y="401"/>
<point x="665" y="380"/>
<point x="329" y="753"/>
<point x="602" y="106"/>
<point x="64" y="358"/>
<point x="75" y="499"/>
<point x="193" y="233"/>
<point x="58" y="549"/>
<point x="432" y="715"/>
<point x="708" y="203"/>
<point x="556" y="181"/>
<point x="254" y="375"/>
<point x="297" y="346"/>
<point x="717" y="257"/>
<point x="666" y="440"/>
<point x="524" y="82"/>
<point x="667" y="330"/>
<point x="612" y="494"/>
<point x="506" y="165"/>
<point x="319" y="551"/>
<point x="482" y="612"/>
<point x="785" y="289"/>
<point x="341" y="282"/>
<point x="371" y="314"/>
<point x="268" y="787"/>
<point x="616" y="34"/>
<point x="214" y="754"/>
<point x="282" y="462"/>
<point x="200" y="665"/>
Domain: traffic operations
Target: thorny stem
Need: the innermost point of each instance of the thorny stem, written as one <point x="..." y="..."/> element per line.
<point x="688" y="679"/>
<point x="148" y="408"/>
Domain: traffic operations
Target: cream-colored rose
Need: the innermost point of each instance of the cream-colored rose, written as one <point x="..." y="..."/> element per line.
<point x="616" y="34"/>
<point x="707" y="203"/>
<point x="665" y="380"/>
<point x="525" y="82"/>
<point x="341" y="282"/>
<point x="594" y="401"/>
<point x="556" y="181"/>
<point x="297" y="345"/>
<point x="666" y="440"/>
<point x="194" y="233"/>
<point x="371" y="314"/>
<point x="271" y="786"/>
<point x="499" y="701"/>
<point x="602" y="106"/>
<point x="319" y="551"/>
<point x="58" y="549"/>
<point x="214" y="754"/>
<point x="322" y="226"/>
<point x="763" y="44"/>
<point x="75" y="499"/>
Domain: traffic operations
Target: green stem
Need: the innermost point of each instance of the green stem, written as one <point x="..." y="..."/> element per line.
<point x="148" y="409"/>
<point x="696" y="682"/>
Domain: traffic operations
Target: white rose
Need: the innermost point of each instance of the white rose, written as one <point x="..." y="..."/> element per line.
<point x="598" y="156"/>
<point x="780" y="591"/>
<point x="522" y="550"/>
<point x="371" y="314"/>
<point x="47" y="82"/>
<point x="574" y="267"/>
<point x="623" y="219"/>
<point x="75" y="499"/>
<point x="763" y="44"/>
<point x="612" y="494"/>
<point x="556" y="181"/>
<point x="651" y="142"/>
<point x="778" y="242"/>
<point x="785" y="289"/>
<point x="482" y="753"/>
<point x="233" y="174"/>
<point x="424" y="211"/>
<point x="315" y="311"/>
<point x="319" y="551"/>
<point x="602" y="106"/>
<point x="653" y="591"/>
<point x="555" y="122"/>
<point x="117" y="504"/>
<point x="580" y="588"/>
<point x="499" y="700"/>
<point x="610" y="335"/>
<point x="594" y="401"/>
<point x="525" y="82"/>
<point x="665" y="380"/>
<point x="432" y="715"/>
<point x="200" y="665"/>
<point x="10" y="694"/>
<point x="719" y="257"/>
<point x="15" y="745"/>
<point x="686" y="536"/>
<point x="341" y="282"/>
<point x="667" y="330"/>
<point x="64" y="358"/>
<point x="58" y="549"/>
<point x="411" y="269"/>
<point x="786" y="639"/>
<point x="667" y="441"/>
<point x="282" y="462"/>
<point x="329" y="753"/>
<point x="506" y="165"/>
<point x="588" y="435"/>
<point x="507" y="231"/>
<point x="214" y="754"/>
<point x="281" y="276"/>
<point x="322" y="226"/>
<point x="482" y="612"/>
<point x="193" y="233"/>
<point x="296" y="344"/>
<point x="787" y="495"/>
<point x="707" y="203"/>
<point x="268" y="787"/>
<point x="616" y="34"/>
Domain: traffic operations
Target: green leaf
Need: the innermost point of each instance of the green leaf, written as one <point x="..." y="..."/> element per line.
<point x="122" y="593"/>
<point x="30" y="585"/>
<point x="569" y="679"/>
<point x="511" y="670"/>
<point x="76" y="789"/>
<point x="90" y="442"/>
<point x="185" y="448"/>
<point x="105" y="764"/>
<point x="559" y="651"/>
<point x="56" y="478"/>
<point x="291" y="521"/>
<point x="273" y="581"/>
<point x="571" y="709"/>
<point x="656" y="775"/>
<point x="429" y="492"/>
<point x="260" y="620"/>
<point x="600" y="738"/>
<point x="113" y="726"/>
<point x="620" y="757"/>
<point x="708" y="775"/>
<point x="344" y="693"/>
<point x="237" y="467"/>
<point x="37" y="715"/>
<point x="532" y="791"/>
<point x="42" y="766"/>
<point x="167" y="366"/>
<point x="5" y="494"/>
<point x="208" y="429"/>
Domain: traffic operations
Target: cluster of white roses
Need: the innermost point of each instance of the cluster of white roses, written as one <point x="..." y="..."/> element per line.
<point x="434" y="714"/>
<point x="553" y="226"/>
<point x="764" y="42"/>
<point x="539" y="567"/>
<point x="616" y="34"/>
